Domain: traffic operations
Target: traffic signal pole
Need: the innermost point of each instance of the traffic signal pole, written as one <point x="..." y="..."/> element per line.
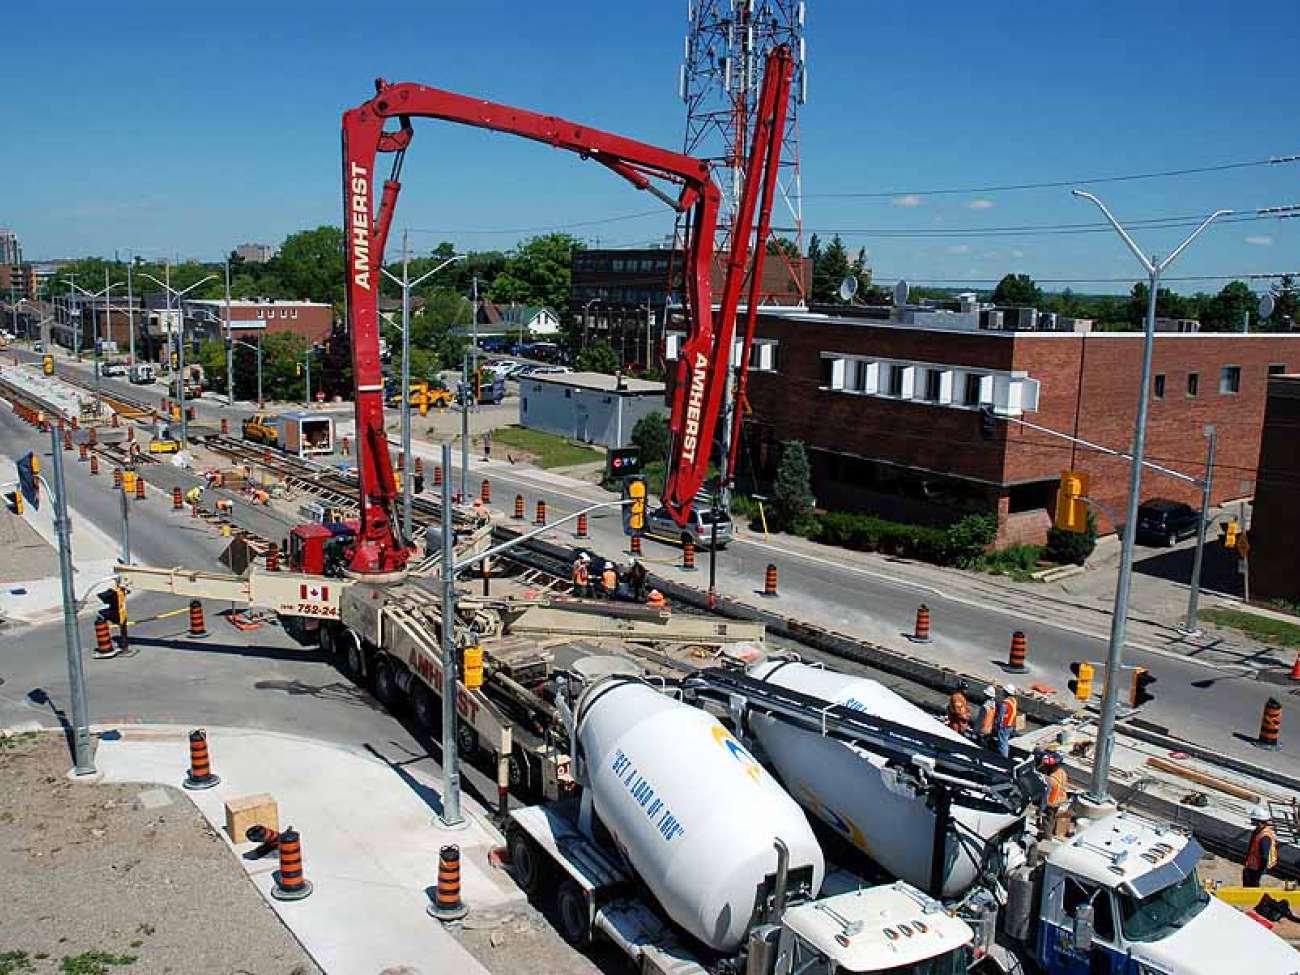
<point x="1190" y="627"/>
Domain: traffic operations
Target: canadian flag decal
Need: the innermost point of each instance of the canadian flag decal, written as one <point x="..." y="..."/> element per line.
<point x="315" y="594"/>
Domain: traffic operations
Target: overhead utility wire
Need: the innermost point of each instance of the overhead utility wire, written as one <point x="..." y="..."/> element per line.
<point x="1059" y="183"/>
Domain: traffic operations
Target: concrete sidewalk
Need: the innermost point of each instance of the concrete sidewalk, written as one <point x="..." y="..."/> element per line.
<point x="370" y="841"/>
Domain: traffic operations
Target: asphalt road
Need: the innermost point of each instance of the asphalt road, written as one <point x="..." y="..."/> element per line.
<point x="1195" y="698"/>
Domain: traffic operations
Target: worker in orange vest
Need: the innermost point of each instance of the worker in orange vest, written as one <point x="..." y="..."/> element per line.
<point x="1006" y="719"/>
<point x="609" y="580"/>
<point x="656" y="600"/>
<point x="582" y="575"/>
<point x="1058" y="796"/>
<point x="1261" y="854"/>
<point x="959" y="709"/>
<point x="987" y="713"/>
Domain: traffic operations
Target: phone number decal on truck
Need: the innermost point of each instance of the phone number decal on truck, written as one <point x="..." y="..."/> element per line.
<point x="319" y="610"/>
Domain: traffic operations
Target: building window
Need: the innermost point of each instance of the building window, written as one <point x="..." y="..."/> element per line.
<point x="827" y="378"/>
<point x="1230" y="379"/>
<point x="568" y="394"/>
<point x="971" y="394"/>
<point x="1193" y="383"/>
<point x="933" y="384"/>
<point x="1276" y="368"/>
<point x="1160" y="385"/>
<point x="896" y="380"/>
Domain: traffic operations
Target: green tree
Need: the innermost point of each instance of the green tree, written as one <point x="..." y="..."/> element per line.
<point x="650" y="436"/>
<point x="598" y="357"/>
<point x="831" y="267"/>
<point x="310" y="265"/>
<point x="1018" y="290"/>
<point x="793" y="501"/>
<point x="1225" y="311"/>
<point x="1168" y="305"/>
<point x="1072" y="548"/>
<point x="1286" y="305"/>
<point x="782" y="245"/>
<point x="538" y="273"/>
<point x="283" y="376"/>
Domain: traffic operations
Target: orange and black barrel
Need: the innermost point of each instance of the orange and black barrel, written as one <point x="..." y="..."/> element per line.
<point x="1019" y="650"/>
<point x="198" y="630"/>
<point x="688" y="555"/>
<point x="922" y="632"/>
<point x="634" y="546"/>
<point x="103" y="639"/>
<point x="769" y="580"/>
<point x="291" y="884"/>
<point x="519" y="507"/>
<point x="541" y="513"/>
<point x="582" y="525"/>
<point x="447" y="904"/>
<point x="1270" y="725"/>
<point x="201" y="775"/>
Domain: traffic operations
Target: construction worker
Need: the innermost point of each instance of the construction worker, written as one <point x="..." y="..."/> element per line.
<point x="655" y="600"/>
<point x="581" y="575"/>
<point x="982" y="731"/>
<point x="1006" y="719"/>
<point x="959" y="709"/>
<point x="1261" y="854"/>
<point x="1057" y="797"/>
<point x="636" y="581"/>
<point x="609" y="581"/>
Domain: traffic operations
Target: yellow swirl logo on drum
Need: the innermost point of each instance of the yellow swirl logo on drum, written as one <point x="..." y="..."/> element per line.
<point x="737" y="750"/>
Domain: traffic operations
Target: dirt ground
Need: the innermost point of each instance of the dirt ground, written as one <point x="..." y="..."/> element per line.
<point x="99" y="879"/>
<point x="509" y="942"/>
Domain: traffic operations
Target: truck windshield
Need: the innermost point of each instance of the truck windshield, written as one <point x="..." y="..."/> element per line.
<point x="1154" y="917"/>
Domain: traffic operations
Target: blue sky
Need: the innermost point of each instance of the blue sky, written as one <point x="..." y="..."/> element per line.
<point x="182" y="129"/>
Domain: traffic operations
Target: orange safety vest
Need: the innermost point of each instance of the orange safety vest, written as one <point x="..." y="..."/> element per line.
<point x="656" y="598"/>
<point x="986" y="718"/>
<point x="1007" y="717"/>
<point x="580" y="575"/>
<point x="1254" y="858"/>
<point x="1056" y="788"/>
<point x="609" y="579"/>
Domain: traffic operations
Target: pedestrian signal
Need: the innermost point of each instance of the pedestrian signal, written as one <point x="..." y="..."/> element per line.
<point x="29" y="478"/>
<point x="1081" y="683"/>
<point x="114" y="600"/>
<point x="1231" y="532"/>
<point x="1071" y="502"/>
<point x="1138" y="693"/>
<point x="634" y="490"/>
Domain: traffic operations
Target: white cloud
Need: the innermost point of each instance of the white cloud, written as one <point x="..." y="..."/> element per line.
<point x="911" y="200"/>
<point x="1260" y="240"/>
<point x="980" y="205"/>
<point x="1017" y="254"/>
<point x="959" y="249"/>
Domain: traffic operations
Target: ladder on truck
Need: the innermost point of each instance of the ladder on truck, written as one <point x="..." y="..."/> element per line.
<point x="935" y="765"/>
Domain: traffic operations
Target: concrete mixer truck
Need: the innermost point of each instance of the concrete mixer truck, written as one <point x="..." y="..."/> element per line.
<point x="1118" y="897"/>
<point x="685" y="853"/>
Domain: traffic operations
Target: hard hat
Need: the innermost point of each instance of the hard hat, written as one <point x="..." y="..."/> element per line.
<point x="963" y="684"/>
<point x="584" y="557"/>
<point x="1009" y="688"/>
<point x="1258" y="814"/>
<point x="990" y="691"/>
<point x="1051" y="759"/>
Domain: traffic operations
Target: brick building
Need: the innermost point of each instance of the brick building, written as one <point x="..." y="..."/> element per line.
<point x="1275" y="520"/>
<point x="890" y="413"/>
<point x="313" y="320"/>
<point x="18" y="280"/>
<point x="619" y="296"/>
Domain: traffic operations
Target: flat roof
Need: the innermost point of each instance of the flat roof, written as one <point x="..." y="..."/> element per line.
<point x="599" y="381"/>
<point x="253" y="303"/>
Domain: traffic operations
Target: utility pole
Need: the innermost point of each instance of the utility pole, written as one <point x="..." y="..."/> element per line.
<point x="474" y="320"/>
<point x="1190" y="627"/>
<point x="126" y="527"/>
<point x="230" y="346"/>
<point x="451" y="817"/>
<point x="130" y="307"/>
<point x="83" y="762"/>
<point x="76" y="334"/>
<point x="1119" y="618"/>
<point x="468" y="396"/>
<point x="260" y="401"/>
<point x="177" y="295"/>
<point x="307" y="359"/>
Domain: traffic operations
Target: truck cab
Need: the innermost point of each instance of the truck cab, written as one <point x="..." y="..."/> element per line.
<point x="1122" y="897"/>
<point x="261" y="428"/>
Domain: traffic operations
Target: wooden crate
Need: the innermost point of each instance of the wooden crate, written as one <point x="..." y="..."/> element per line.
<point x="256" y="810"/>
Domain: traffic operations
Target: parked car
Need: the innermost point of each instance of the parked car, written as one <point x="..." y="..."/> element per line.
<point x="551" y="371"/>
<point x="698" y="528"/>
<point x="1163" y="522"/>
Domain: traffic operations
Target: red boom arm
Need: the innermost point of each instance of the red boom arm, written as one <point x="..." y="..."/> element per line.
<point x="378" y="549"/>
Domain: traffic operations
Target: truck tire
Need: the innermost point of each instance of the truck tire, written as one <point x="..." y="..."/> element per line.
<point x="384" y="681"/>
<point x="425" y="710"/>
<point x="571" y="908"/>
<point x="528" y="863"/>
<point x="351" y="659"/>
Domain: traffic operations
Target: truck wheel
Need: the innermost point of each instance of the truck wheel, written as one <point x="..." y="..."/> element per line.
<point x="527" y="863"/>
<point x="424" y="707"/>
<point x="571" y="906"/>
<point x="352" y="660"/>
<point x="385" y="685"/>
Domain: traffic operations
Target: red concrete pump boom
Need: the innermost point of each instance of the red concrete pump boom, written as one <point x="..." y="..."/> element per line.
<point x="378" y="548"/>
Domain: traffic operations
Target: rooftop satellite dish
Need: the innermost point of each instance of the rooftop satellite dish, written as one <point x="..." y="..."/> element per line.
<point x="900" y="294"/>
<point x="848" y="288"/>
<point x="1266" y="304"/>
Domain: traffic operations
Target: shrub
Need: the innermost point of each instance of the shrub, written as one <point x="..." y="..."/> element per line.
<point x="793" y="501"/>
<point x="650" y="436"/>
<point x="959" y="544"/>
<point x="1017" y="561"/>
<point x="1072" y="548"/>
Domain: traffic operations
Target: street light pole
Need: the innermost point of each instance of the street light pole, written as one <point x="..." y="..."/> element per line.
<point x="1119" y="617"/>
<point x="230" y="347"/>
<point x="407" y="284"/>
<point x="1190" y="626"/>
<point x="130" y="307"/>
<point x="178" y="295"/>
<point x="450" y="757"/>
<point x="95" y="327"/>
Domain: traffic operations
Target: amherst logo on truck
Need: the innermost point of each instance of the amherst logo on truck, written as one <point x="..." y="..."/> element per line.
<point x="361" y="226"/>
<point x="694" y="405"/>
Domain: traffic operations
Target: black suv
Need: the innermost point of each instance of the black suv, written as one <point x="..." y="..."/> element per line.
<point x="1164" y="522"/>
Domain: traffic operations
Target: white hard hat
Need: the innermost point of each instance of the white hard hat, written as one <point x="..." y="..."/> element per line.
<point x="584" y="557"/>
<point x="1009" y="688"/>
<point x="990" y="691"/>
<point x="1258" y="814"/>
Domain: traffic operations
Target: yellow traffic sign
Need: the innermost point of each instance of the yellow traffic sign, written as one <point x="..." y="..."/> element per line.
<point x="1243" y="545"/>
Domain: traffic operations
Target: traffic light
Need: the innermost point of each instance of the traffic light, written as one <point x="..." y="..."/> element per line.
<point x="1071" y="502"/>
<point x="1138" y="694"/>
<point x="1231" y="532"/>
<point x="29" y="482"/>
<point x="634" y="490"/>
<point x="47" y="365"/>
<point x="297" y="368"/>
<point x="1081" y="683"/>
<point x="988" y="422"/>
<point x="114" y="600"/>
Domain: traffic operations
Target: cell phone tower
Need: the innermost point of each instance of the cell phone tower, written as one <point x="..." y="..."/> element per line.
<point x="726" y="44"/>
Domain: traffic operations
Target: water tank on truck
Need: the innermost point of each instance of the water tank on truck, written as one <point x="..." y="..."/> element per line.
<point x="692" y="810"/>
<point x="853" y="790"/>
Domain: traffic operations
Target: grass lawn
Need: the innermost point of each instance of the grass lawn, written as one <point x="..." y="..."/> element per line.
<point x="1260" y="627"/>
<point x="550" y="450"/>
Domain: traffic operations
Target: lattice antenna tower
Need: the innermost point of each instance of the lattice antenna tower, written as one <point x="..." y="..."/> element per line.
<point x="726" y="44"/>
